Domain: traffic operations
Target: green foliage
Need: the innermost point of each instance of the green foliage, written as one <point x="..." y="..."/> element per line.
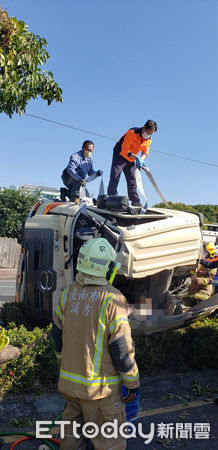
<point x="14" y="209"/>
<point x="210" y="212"/>
<point x="21" y="79"/>
<point x="23" y="422"/>
<point x="13" y="312"/>
<point x="190" y="348"/>
<point x="36" y="368"/>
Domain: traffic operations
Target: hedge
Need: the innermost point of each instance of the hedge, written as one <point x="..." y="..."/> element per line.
<point x="191" y="348"/>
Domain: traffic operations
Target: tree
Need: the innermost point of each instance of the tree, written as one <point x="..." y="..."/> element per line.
<point x="210" y="212"/>
<point x="21" y="54"/>
<point x="14" y="209"/>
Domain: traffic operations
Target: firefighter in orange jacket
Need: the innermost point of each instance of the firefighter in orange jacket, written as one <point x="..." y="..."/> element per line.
<point x="124" y="156"/>
<point x="93" y="342"/>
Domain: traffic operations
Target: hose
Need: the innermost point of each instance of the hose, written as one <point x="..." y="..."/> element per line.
<point x="27" y="438"/>
<point x="18" y="442"/>
<point x="32" y="436"/>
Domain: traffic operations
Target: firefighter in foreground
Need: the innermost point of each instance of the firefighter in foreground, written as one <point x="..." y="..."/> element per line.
<point x="93" y="343"/>
<point x="201" y="287"/>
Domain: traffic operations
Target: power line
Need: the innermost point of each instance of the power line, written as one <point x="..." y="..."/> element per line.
<point x="70" y="126"/>
<point x="183" y="157"/>
<point x="114" y="140"/>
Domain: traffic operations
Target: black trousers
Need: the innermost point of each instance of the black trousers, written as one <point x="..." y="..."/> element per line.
<point x="119" y="165"/>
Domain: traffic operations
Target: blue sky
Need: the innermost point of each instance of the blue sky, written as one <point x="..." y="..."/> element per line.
<point x="120" y="63"/>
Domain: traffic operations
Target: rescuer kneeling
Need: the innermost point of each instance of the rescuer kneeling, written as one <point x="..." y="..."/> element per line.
<point x="201" y="287"/>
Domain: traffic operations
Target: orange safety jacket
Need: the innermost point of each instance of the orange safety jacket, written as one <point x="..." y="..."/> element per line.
<point x="132" y="141"/>
<point x="211" y="263"/>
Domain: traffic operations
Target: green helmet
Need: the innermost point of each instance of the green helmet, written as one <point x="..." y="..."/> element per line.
<point x="95" y="257"/>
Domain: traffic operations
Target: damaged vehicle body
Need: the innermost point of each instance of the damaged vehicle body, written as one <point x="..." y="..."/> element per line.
<point x="156" y="249"/>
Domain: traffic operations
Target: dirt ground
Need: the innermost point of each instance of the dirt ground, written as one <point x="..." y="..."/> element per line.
<point x="7" y="274"/>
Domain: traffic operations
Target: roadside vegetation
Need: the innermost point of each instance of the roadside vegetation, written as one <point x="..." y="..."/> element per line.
<point x="36" y="368"/>
<point x="14" y="209"/>
<point x="194" y="347"/>
<point x="210" y="212"/>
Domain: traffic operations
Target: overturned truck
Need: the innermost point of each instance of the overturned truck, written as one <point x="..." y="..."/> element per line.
<point x="156" y="249"/>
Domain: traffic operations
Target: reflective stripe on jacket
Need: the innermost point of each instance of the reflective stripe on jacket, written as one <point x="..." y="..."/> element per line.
<point x="97" y="351"/>
<point x="132" y="141"/>
<point x="201" y="286"/>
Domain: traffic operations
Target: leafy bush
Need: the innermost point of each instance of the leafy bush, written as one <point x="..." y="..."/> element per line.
<point x="36" y="368"/>
<point x="13" y="312"/>
<point x="194" y="347"/>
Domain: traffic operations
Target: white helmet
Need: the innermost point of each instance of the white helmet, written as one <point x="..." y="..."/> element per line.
<point x="95" y="257"/>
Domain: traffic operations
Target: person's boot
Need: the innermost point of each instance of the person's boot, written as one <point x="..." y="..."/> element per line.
<point x="74" y="198"/>
<point x="63" y="194"/>
<point x="138" y="204"/>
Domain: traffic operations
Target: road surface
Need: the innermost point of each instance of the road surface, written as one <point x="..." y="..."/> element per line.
<point x="7" y="285"/>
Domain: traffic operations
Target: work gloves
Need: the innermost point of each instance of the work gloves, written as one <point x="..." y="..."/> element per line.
<point x="139" y="162"/>
<point x="92" y="177"/>
<point x="129" y="395"/>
